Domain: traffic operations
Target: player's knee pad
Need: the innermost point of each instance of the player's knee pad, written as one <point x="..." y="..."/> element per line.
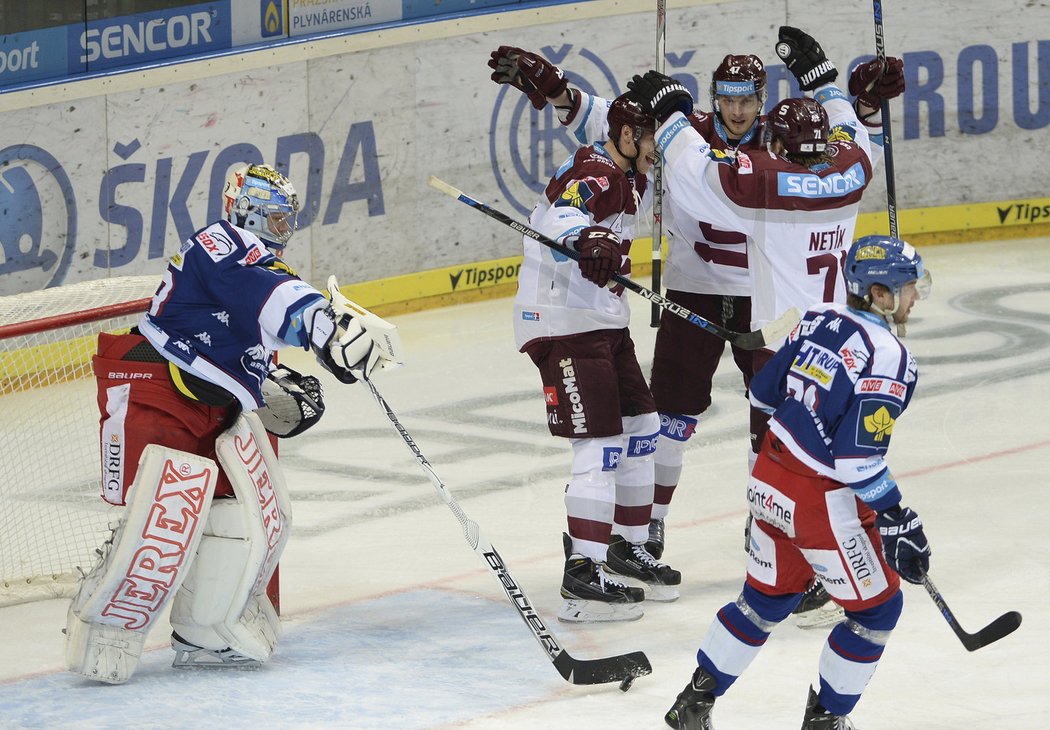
<point x="640" y="434"/>
<point x="142" y="565"/>
<point x="222" y="602"/>
<point x="590" y="495"/>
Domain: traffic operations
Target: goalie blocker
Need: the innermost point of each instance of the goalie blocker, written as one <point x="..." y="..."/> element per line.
<point x="214" y="557"/>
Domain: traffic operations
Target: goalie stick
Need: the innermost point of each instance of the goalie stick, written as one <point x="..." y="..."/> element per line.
<point x="623" y="668"/>
<point x="1002" y="626"/>
<point x="769" y="333"/>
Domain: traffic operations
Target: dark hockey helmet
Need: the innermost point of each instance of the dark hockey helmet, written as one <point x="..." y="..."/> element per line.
<point x="739" y="76"/>
<point x="625" y="110"/>
<point x="887" y="261"/>
<point x="801" y="124"/>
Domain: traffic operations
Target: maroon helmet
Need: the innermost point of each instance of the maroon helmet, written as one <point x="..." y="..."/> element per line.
<point x="739" y="76"/>
<point x="625" y="110"/>
<point x="801" y="124"/>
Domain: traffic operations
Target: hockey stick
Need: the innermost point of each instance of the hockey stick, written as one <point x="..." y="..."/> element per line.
<point x="887" y="137"/>
<point x="745" y="340"/>
<point x="658" y="173"/>
<point x="623" y="668"/>
<point x="1002" y="626"/>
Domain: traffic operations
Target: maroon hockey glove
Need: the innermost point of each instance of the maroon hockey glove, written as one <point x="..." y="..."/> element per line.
<point x="534" y="75"/>
<point x="805" y="58"/>
<point x="599" y="254"/>
<point x="871" y="84"/>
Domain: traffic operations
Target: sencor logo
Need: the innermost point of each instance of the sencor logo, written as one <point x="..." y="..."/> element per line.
<point x="145" y="36"/>
<point x="834" y="185"/>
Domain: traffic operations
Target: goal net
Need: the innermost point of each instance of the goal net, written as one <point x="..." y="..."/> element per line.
<point x="52" y="518"/>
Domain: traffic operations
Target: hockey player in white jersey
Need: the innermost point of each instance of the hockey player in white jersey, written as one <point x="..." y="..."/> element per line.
<point x="823" y="499"/>
<point x="185" y="400"/>
<point x="707" y="265"/>
<point x="575" y="329"/>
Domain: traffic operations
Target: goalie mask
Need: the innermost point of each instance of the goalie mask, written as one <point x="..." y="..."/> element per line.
<point x="263" y="201"/>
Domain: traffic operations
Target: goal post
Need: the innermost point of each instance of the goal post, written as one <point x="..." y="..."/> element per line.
<point x="51" y="516"/>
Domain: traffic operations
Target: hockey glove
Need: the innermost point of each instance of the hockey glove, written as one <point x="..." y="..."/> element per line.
<point x="294" y="402"/>
<point x="537" y="77"/>
<point x="870" y="83"/>
<point x="660" y="95"/>
<point x="599" y="254"/>
<point x="904" y="544"/>
<point x="805" y="58"/>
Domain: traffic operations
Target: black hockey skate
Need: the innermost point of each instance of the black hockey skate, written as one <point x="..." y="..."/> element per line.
<point x="817" y="718"/>
<point x="591" y="595"/>
<point x="655" y="543"/>
<point x="816" y="610"/>
<point x="634" y="561"/>
<point x="692" y="709"/>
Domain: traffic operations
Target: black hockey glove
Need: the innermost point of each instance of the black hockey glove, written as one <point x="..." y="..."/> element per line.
<point x="805" y="58"/>
<point x="294" y="402"/>
<point x="660" y="95"/>
<point x="904" y="544"/>
<point x="528" y="72"/>
<point x="871" y="82"/>
<point x="599" y="254"/>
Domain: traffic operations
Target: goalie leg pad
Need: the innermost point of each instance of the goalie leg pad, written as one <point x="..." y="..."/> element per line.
<point x="142" y="564"/>
<point x="223" y="603"/>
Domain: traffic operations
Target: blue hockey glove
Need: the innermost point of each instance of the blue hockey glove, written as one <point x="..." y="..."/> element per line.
<point x="904" y="544"/>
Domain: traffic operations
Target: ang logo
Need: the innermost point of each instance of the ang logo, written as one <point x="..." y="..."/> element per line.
<point x="40" y="219"/>
<point x="526" y="158"/>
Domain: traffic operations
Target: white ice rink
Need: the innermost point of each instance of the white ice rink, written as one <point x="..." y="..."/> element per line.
<point x="390" y="620"/>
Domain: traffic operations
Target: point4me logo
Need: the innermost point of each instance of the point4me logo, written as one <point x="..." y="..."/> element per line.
<point x="38" y="237"/>
<point x="527" y="146"/>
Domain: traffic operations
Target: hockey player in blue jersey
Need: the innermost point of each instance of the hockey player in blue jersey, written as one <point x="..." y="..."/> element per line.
<point x="186" y="400"/>
<point x="823" y="498"/>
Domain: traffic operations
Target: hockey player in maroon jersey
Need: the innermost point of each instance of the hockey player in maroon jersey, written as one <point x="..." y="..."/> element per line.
<point x="706" y="269"/>
<point x="823" y="498"/>
<point x="575" y="329"/>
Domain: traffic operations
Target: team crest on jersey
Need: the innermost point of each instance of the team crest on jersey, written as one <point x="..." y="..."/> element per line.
<point x="875" y="423"/>
<point x="216" y="244"/>
<point x="575" y="196"/>
<point x="842" y="134"/>
<point x="726" y="158"/>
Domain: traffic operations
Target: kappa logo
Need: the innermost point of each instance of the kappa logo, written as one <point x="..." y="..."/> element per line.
<point x="38" y="238"/>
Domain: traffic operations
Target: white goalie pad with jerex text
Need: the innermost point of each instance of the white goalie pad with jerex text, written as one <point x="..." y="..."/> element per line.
<point x="142" y="565"/>
<point x="223" y="602"/>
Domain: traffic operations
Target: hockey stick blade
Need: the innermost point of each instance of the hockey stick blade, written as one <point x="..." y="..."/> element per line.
<point x="745" y="340"/>
<point x="618" y="668"/>
<point x="602" y="671"/>
<point x="1002" y="626"/>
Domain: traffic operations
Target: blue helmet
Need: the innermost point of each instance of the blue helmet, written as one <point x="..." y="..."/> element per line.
<point x="263" y="201"/>
<point x="884" y="260"/>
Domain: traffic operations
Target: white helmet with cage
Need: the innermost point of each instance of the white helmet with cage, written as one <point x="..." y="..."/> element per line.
<point x="260" y="199"/>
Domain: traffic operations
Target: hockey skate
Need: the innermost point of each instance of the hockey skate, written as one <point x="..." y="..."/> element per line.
<point x="634" y="561"/>
<point x="655" y="543"/>
<point x="816" y="610"/>
<point x="591" y="596"/>
<point x="191" y="656"/>
<point x="817" y="718"/>
<point x="692" y="709"/>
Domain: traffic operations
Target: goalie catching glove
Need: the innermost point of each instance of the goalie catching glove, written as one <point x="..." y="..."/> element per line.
<point x="351" y="342"/>
<point x="294" y="402"/>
